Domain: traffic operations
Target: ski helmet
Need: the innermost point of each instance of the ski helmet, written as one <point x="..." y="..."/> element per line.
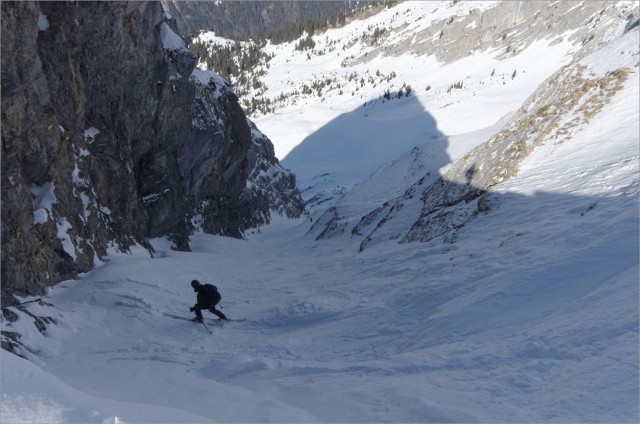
<point x="196" y="285"/>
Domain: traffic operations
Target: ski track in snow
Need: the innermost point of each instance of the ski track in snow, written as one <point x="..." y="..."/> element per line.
<point x="530" y="316"/>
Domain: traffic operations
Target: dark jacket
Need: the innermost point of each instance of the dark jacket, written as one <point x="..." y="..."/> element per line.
<point x="208" y="296"/>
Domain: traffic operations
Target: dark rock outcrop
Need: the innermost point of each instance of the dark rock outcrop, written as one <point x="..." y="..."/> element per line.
<point x="269" y="186"/>
<point x="232" y="19"/>
<point x="110" y="136"/>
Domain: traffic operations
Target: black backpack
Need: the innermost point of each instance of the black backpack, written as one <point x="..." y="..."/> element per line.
<point x="212" y="294"/>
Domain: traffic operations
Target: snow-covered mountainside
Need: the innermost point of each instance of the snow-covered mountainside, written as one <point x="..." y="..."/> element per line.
<point x="560" y="110"/>
<point x="471" y="253"/>
<point x="465" y="64"/>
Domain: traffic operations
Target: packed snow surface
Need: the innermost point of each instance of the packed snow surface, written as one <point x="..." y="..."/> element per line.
<point x="531" y="315"/>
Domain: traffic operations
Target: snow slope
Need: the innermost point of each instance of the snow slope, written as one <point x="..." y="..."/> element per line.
<point x="352" y="119"/>
<point x="530" y="316"/>
<point x="39" y="397"/>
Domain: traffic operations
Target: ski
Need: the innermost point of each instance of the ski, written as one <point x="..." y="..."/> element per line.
<point x="209" y="320"/>
<point x="177" y="317"/>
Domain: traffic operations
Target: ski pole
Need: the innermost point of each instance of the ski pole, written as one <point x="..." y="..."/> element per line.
<point x="205" y="326"/>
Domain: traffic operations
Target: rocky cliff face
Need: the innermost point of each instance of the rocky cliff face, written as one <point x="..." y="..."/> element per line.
<point x="506" y="27"/>
<point x="251" y="18"/>
<point x="110" y="136"/>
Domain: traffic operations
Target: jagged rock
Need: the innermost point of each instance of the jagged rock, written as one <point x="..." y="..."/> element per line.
<point x="111" y="137"/>
<point x="10" y="341"/>
<point x="269" y="187"/>
<point x="330" y="224"/>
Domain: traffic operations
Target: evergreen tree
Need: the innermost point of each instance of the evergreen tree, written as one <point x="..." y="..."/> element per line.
<point x="408" y="90"/>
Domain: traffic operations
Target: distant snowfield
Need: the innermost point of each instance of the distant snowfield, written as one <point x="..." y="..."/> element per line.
<point x="530" y="316"/>
<point x="482" y="102"/>
<point x="367" y="133"/>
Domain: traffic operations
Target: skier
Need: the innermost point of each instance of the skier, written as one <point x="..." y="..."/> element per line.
<point x="208" y="298"/>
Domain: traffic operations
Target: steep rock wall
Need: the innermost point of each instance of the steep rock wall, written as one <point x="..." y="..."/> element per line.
<point x="109" y="137"/>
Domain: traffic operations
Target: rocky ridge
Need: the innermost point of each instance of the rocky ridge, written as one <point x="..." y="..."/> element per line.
<point x="506" y="28"/>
